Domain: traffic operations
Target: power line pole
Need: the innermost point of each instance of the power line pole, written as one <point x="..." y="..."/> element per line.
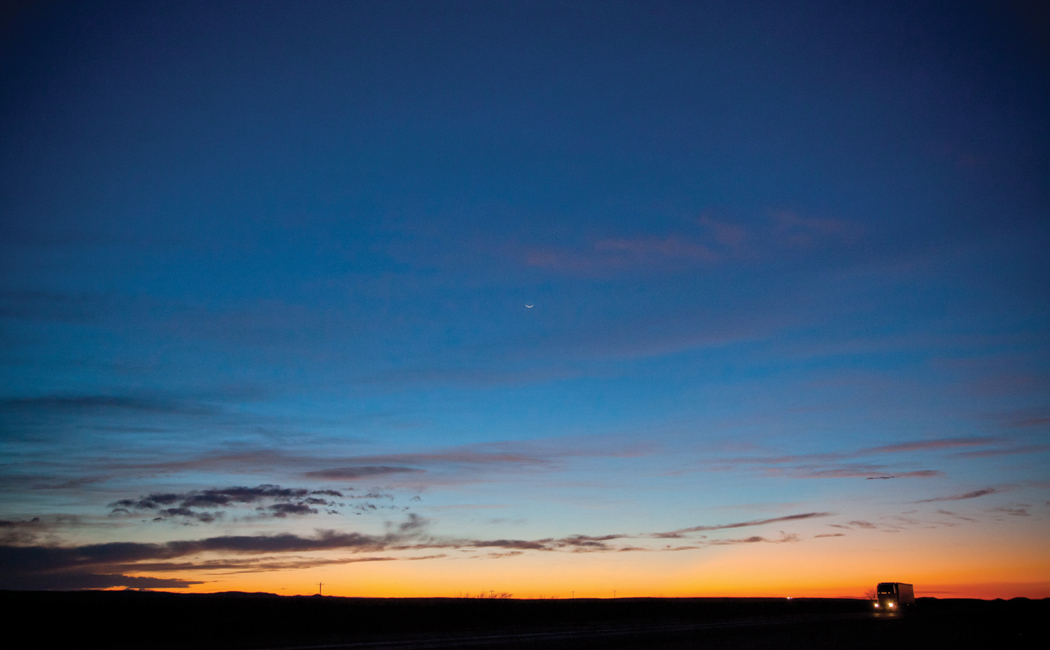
<point x="319" y="591"/>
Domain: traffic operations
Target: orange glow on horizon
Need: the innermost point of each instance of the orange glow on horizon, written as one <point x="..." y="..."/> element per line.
<point x="766" y="570"/>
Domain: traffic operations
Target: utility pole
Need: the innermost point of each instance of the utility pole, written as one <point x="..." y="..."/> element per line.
<point x="319" y="591"/>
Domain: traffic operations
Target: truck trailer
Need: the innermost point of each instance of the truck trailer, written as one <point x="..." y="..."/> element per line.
<point x="894" y="596"/>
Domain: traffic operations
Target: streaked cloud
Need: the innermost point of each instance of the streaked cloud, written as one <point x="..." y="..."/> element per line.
<point x="742" y="524"/>
<point x="359" y="472"/>
<point x="783" y="539"/>
<point x="1006" y="450"/>
<point x="710" y="242"/>
<point x="865" y="462"/>
<point x="1019" y="511"/>
<point x="976" y="494"/>
<point x="929" y="445"/>
<point x="75" y="404"/>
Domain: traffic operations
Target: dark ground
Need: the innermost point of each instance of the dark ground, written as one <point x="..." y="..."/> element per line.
<point x="236" y="620"/>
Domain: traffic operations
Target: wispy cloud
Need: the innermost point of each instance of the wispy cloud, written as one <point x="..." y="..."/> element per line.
<point x="817" y="466"/>
<point x="1021" y="511"/>
<point x="863" y="524"/>
<point x="965" y="496"/>
<point x="97" y="403"/>
<point x="653" y="248"/>
<point x="929" y="445"/>
<point x="755" y="539"/>
<point x="797" y="231"/>
<point x="1005" y="450"/>
<point x="443" y="466"/>
<point x="956" y="515"/>
<point x="923" y="473"/>
<point x="447" y="466"/>
<point x="1031" y="422"/>
<point x="891" y="525"/>
<point x="708" y="241"/>
<point x="618" y="254"/>
<point x="359" y="472"/>
<point x="743" y="524"/>
<point x="866" y="462"/>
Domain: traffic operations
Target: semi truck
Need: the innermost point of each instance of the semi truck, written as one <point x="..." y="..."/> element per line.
<point x="894" y="596"/>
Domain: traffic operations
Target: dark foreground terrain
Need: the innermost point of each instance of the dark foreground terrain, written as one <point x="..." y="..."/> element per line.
<point x="235" y="620"/>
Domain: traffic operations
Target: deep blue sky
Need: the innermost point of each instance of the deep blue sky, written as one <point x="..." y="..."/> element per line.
<point x="257" y="243"/>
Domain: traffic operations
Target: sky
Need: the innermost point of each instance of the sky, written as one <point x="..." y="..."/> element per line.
<point x="541" y="298"/>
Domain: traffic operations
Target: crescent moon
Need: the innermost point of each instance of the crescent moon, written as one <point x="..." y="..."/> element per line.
<point x="528" y="306"/>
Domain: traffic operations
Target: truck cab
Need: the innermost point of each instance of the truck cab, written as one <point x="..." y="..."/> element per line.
<point x="894" y="596"/>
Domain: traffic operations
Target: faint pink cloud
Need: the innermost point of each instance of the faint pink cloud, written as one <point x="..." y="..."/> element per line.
<point x="729" y="235"/>
<point x="715" y="242"/>
<point x="1002" y="451"/>
<point x="614" y="254"/>
<point x="655" y="249"/>
<point x="1031" y="422"/>
<point x="795" y="231"/>
<point x="929" y="445"/>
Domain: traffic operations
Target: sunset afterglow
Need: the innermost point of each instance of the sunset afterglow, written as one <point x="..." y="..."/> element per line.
<point x="552" y="299"/>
